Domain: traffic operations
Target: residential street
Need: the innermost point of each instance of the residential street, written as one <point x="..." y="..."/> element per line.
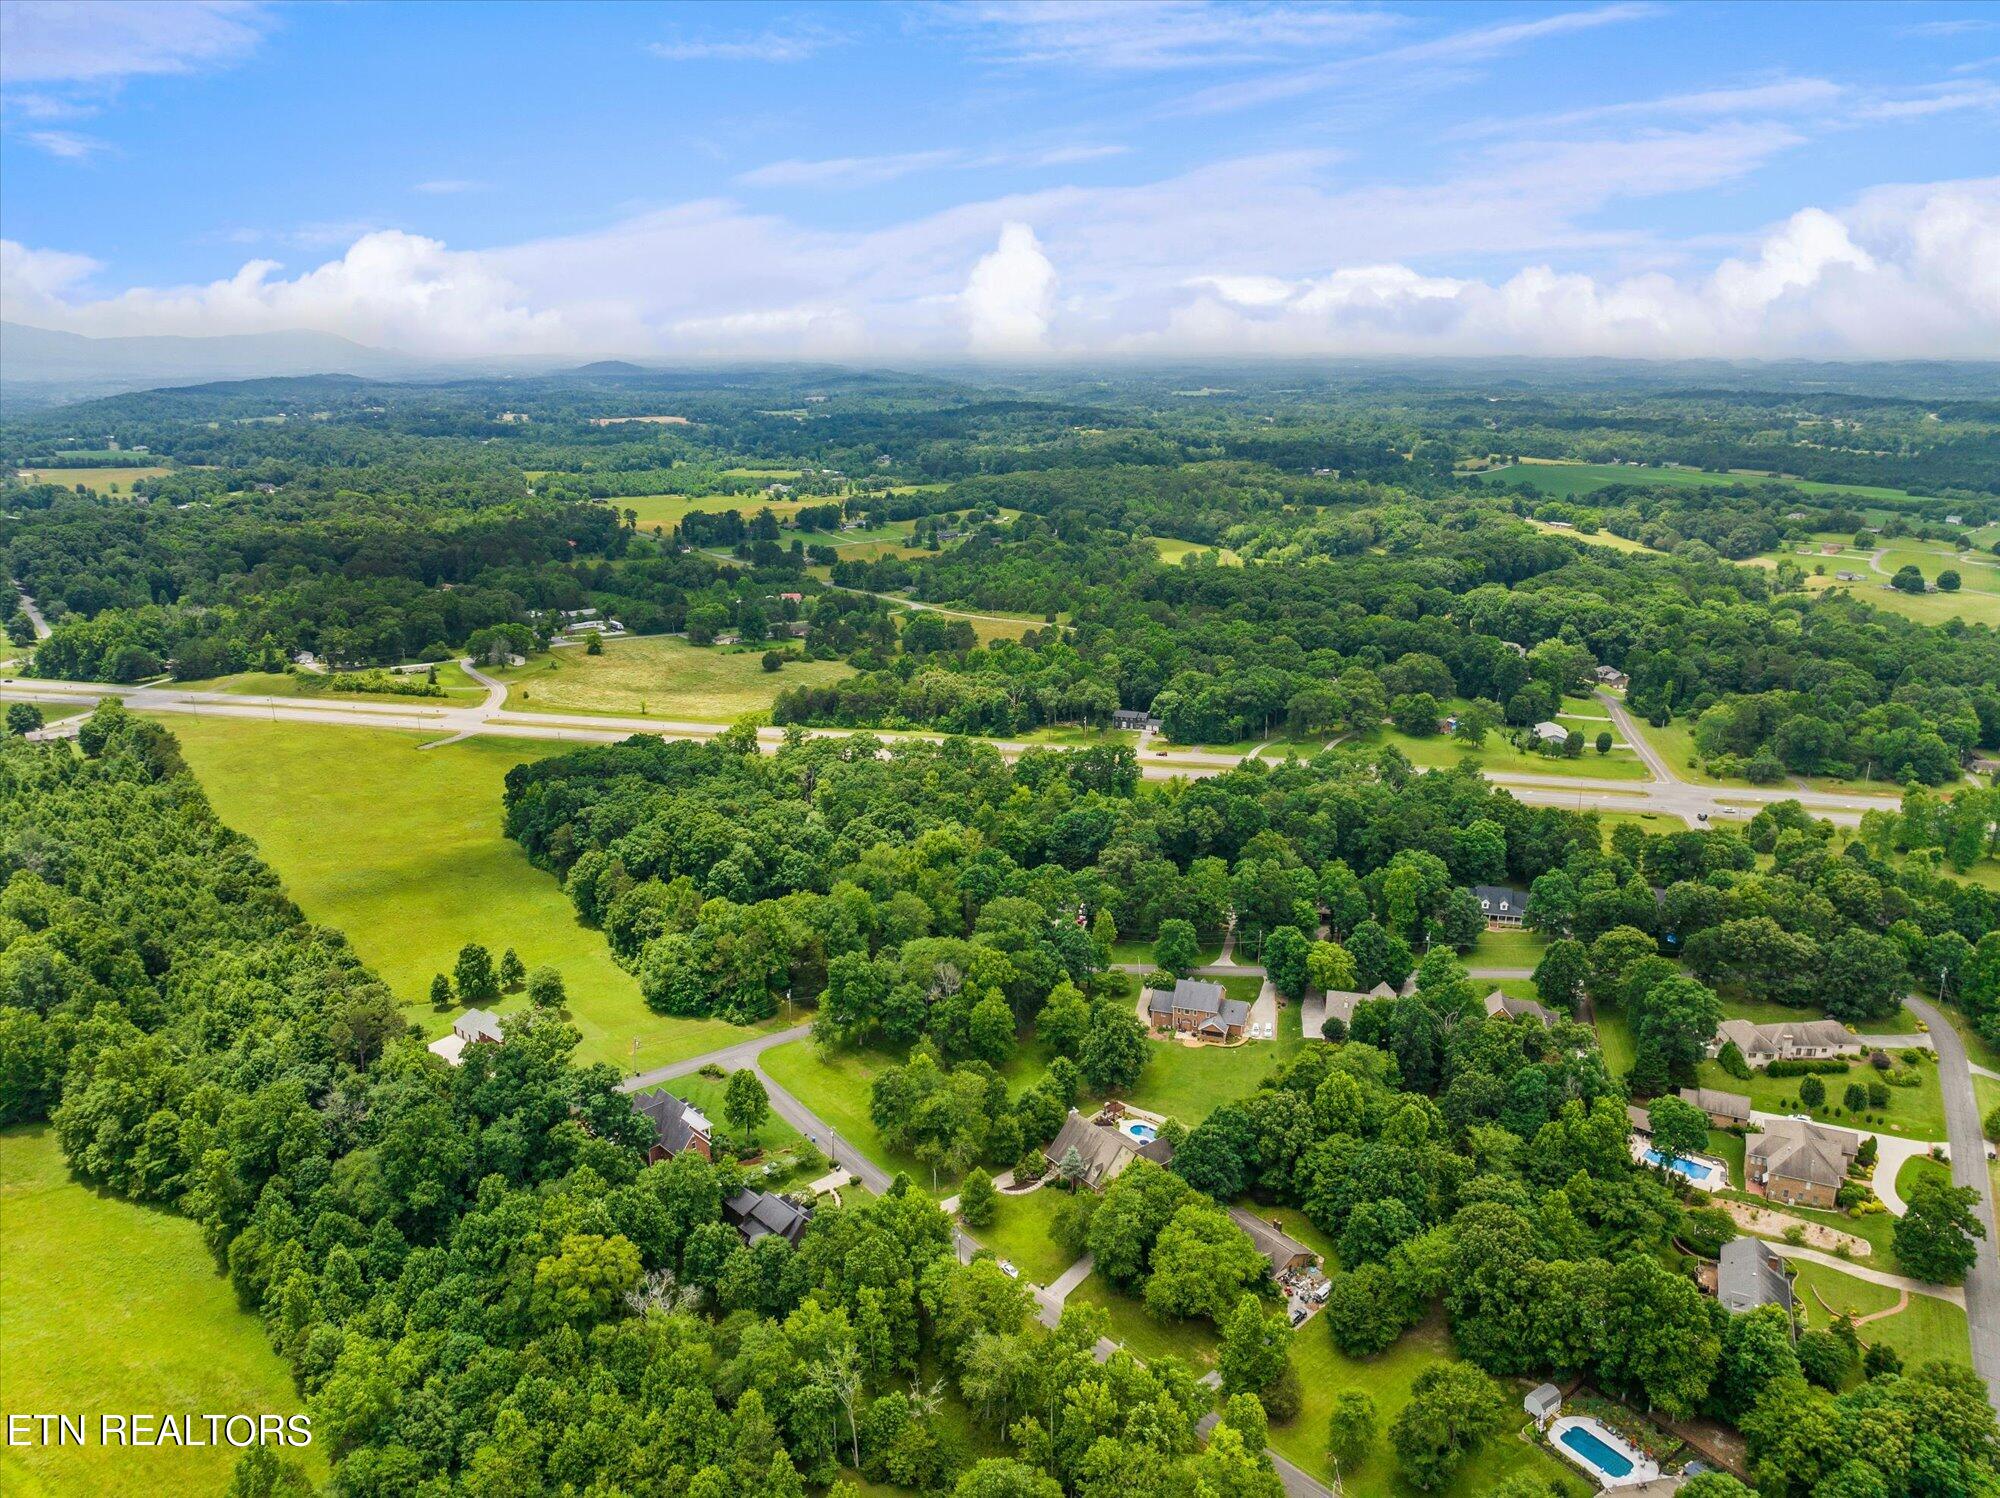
<point x="1968" y="1168"/>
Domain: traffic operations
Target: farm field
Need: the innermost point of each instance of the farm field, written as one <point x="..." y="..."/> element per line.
<point x="98" y="480"/>
<point x="660" y="676"/>
<point x="107" y="1306"/>
<point x="403" y="850"/>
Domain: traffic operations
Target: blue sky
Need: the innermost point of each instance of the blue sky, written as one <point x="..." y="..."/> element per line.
<point x="1010" y="180"/>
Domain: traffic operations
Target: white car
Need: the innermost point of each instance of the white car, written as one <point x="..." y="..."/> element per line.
<point x="1007" y="1268"/>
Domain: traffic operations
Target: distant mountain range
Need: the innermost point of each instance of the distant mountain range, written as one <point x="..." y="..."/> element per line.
<point x="42" y="367"/>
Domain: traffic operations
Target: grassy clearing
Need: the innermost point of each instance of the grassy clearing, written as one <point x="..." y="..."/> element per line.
<point x="403" y="850"/>
<point x="1142" y="952"/>
<point x="1387" y="1378"/>
<point x="661" y="676"/>
<point x="111" y="1307"/>
<point x="1763" y="1012"/>
<point x="1595" y="538"/>
<point x="1020" y="1233"/>
<point x="1913" y="1112"/>
<point x="1173" y="551"/>
<point x="662" y="512"/>
<point x="1675" y="742"/>
<point x="97" y="480"/>
<point x="1149" y="1337"/>
<point x="1506" y="949"/>
<point x="1658" y="823"/>
<point x="460" y="690"/>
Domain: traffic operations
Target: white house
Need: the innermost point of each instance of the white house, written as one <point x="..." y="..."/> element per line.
<point x="1551" y="733"/>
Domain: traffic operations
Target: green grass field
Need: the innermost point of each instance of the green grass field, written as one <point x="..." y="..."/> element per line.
<point x="1924" y="1329"/>
<point x="460" y="690"/>
<point x="1190" y="1082"/>
<point x="1172" y="551"/>
<point x="1675" y="742"/>
<point x="403" y="850"/>
<point x="1913" y="1112"/>
<point x="1602" y="538"/>
<point x="1020" y="1234"/>
<point x="1387" y="1378"/>
<point x="109" y="1307"/>
<point x="1506" y="949"/>
<point x="660" y="676"/>
<point x="662" y="512"/>
<point x="97" y="480"/>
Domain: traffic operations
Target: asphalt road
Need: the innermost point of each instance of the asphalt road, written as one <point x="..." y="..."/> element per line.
<point x="1968" y="1168"/>
<point x="491" y="716"/>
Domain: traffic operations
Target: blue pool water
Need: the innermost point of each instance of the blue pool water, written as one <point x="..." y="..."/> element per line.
<point x="1144" y="1132"/>
<point x="1698" y="1171"/>
<point x="1586" y="1445"/>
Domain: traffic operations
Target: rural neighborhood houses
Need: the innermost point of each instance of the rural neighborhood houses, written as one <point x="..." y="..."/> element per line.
<point x="1611" y="676"/>
<point x="1286" y="1254"/>
<point x="1800" y="1162"/>
<point x="1750" y="1274"/>
<point x="1203" y="1010"/>
<point x="1498" y="1004"/>
<point x="1102" y="1152"/>
<point x="1549" y="732"/>
<point x="759" y="1214"/>
<point x="1503" y="905"/>
<point x="474" y="1027"/>
<point x="677" y="1125"/>
<point x="1788" y="1040"/>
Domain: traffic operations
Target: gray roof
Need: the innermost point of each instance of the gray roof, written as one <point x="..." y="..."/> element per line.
<point x="1190" y="996"/>
<point x="477" y="1024"/>
<point x="1802" y="1151"/>
<point x="758" y="1214"/>
<point x="1500" y="899"/>
<point x="1640" y="1120"/>
<point x="1280" y="1247"/>
<point x="1787" y="1035"/>
<point x="1104" y="1152"/>
<point x="1543" y="1399"/>
<point x="675" y="1121"/>
<point x="1751" y="1275"/>
<point x="1498" y="1003"/>
<point x="1714" y="1100"/>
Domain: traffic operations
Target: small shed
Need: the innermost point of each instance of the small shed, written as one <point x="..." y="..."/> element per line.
<point x="1543" y="1404"/>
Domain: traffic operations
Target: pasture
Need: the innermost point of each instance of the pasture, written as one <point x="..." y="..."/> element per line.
<point x="111" y="1307"/>
<point x="661" y="676"/>
<point x="97" y="480"/>
<point x="1174" y="552"/>
<point x="403" y="849"/>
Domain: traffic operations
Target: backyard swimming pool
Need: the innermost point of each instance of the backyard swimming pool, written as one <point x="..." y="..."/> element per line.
<point x="1710" y="1175"/>
<point x="1601" y="1452"/>
<point x="1144" y="1132"/>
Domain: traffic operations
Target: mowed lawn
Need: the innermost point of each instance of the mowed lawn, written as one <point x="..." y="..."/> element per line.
<point x="661" y="676"/>
<point x="403" y="849"/>
<point x="1325" y="1371"/>
<point x="1020" y="1233"/>
<point x="1926" y="1328"/>
<point x="107" y="1307"/>
<point x="1913" y="1112"/>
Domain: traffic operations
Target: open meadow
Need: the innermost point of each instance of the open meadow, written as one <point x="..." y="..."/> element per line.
<point x="661" y="676"/>
<point x="109" y="1307"/>
<point x="403" y="849"/>
<point x="97" y="480"/>
<point x="1563" y="479"/>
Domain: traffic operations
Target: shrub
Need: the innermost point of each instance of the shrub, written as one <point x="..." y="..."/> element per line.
<point x="1730" y="1058"/>
<point x="1812" y="1092"/>
<point x="1806" y="1069"/>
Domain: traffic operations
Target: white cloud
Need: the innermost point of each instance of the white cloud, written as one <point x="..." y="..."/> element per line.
<point x="1154" y="35"/>
<point x="447" y="186"/>
<point x="1783" y="96"/>
<point x="793" y="42"/>
<point x="101" y="41"/>
<point x="1010" y="297"/>
<point x="66" y="145"/>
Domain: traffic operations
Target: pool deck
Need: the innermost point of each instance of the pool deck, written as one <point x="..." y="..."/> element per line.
<point x="1644" y="1468"/>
